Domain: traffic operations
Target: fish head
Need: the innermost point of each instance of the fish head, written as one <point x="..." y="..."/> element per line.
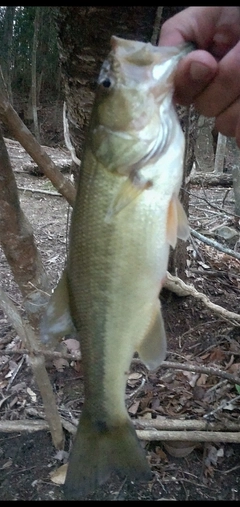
<point x="134" y="81"/>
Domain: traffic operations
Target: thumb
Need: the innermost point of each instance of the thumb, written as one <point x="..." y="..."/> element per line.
<point x="193" y="74"/>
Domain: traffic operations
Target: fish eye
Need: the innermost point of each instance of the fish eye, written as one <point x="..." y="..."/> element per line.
<point x="106" y="83"/>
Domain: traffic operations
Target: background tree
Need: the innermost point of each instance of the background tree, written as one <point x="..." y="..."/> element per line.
<point x="6" y="20"/>
<point x="30" y="65"/>
<point x="84" y="34"/>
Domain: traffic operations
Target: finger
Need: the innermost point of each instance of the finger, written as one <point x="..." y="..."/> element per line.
<point x="215" y="29"/>
<point x="237" y="133"/>
<point x="189" y="25"/>
<point x="224" y="89"/>
<point x="193" y="74"/>
<point x="227" y="121"/>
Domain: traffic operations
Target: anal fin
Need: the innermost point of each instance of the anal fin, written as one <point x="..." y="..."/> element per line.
<point x="152" y="350"/>
<point x="56" y="321"/>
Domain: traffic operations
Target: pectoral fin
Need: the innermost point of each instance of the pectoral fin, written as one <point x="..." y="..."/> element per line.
<point x="152" y="350"/>
<point x="177" y="222"/>
<point x="56" y="321"/>
<point x="129" y="191"/>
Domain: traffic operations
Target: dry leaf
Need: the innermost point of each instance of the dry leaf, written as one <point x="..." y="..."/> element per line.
<point x="220" y="453"/>
<point x="13" y="402"/>
<point x="135" y="376"/>
<point x="60" y="364"/>
<point x="133" y="379"/>
<point x="59" y="475"/>
<point x="202" y="379"/>
<point x="8" y="464"/>
<point x="179" y="449"/>
<point x="192" y="377"/>
<point x="147" y="415"/>
<point x="72" y="345"/>
<point x="234" y="368"/>
<point x="3" y="383"/>
<point x="12" y="367"/>
<point x="4" y="399"/>
<point x="160" y="452"/>
<point x="234" y="346"/>
<point x="134" y="407"/>
<point x="212" y="457"/>
<point x="32" y="394"/>
<point x="21" y="386"/>
<point x="216" y="355"/>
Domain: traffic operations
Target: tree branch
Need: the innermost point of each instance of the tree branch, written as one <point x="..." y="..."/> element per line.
<point x="215" y="244"/>
<point x="150" y="434"/>
<point x="37" y="362"/>
<point x="31" y="145"/>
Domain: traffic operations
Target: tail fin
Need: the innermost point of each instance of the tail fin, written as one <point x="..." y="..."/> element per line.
<point x="97" y="451"/>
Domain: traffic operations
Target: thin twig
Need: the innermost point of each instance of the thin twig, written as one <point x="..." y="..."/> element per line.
<point x="201" y="369"/>
<point x="14" y="374"/>
<point x="223" y="405"/>
<point x="215" y="244"/>
<point x="205" y="199"/>
<point x="39" y="191"/>
<point x="37" y="362"/>
<point x="165" y="364"/>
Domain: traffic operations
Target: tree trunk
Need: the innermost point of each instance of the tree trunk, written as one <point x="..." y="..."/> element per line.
<point x="6" y="51"/>
<point x="84" y="36"/>
<point x="188" y="119"/>
<point x="220" y="154"/>
<point x="17" y="241"/>
<point x="34" y="73"/>
<point x="235" y="162"/>
<point x="21" y="133"/>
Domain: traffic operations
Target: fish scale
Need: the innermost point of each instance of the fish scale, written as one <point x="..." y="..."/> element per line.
<point x="125" y="218"/>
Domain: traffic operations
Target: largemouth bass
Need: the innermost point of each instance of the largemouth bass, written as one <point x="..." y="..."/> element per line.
<point x="126" y="216"/>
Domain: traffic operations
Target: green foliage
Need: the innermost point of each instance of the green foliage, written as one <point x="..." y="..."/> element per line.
<point x="237" y="388"/>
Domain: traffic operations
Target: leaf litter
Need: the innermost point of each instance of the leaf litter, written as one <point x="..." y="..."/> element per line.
<point x="195" y="336"/>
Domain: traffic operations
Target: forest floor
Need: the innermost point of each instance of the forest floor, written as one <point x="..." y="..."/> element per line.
<point x="196" y="335"/>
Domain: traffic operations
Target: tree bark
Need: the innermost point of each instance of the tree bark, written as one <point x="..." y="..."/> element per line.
<point x="212" y="180"/>
<point x="188" y="119"/>
<point x="220" y="154"/>
<point x="17" y="241"/>
<point x="235" y="164"/>
<point x="34" y="73"/>
<point x="7" y="48"/>
<point x="84" y="41"/>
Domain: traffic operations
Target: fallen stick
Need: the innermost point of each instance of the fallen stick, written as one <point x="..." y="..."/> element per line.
<point x="30" y="426"/>
<point x="37" y="362"/>
<point x="215" y="244"/>
<point x="163" y="423"/>
<point x="147" y="435"/>
<point x="209" y="370"/>
<point x="39" y="191"/>
<point x="189" y="436"/>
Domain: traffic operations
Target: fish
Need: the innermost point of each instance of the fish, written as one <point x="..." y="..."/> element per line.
<point x="126" y="216"/>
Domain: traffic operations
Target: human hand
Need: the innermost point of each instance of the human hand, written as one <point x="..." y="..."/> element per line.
<point x="210" y="76"/>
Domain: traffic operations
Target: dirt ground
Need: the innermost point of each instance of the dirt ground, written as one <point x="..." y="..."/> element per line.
<point x="196" y="335"/>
